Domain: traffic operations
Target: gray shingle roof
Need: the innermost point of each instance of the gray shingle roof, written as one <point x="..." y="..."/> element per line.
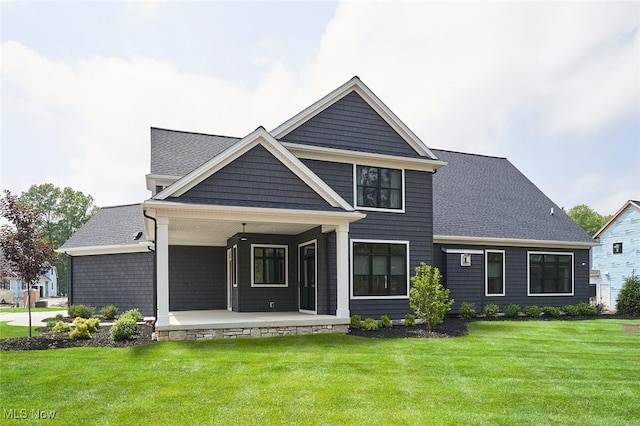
<point x="110" y="226"/>
<point x="176" y="153"/>
<point x="487" y="197"/>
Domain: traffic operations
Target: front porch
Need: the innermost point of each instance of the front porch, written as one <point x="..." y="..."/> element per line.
<point x="220" y="324"/>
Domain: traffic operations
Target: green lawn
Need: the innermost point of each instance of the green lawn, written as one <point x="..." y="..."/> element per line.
<point x="7" y="330"/>
<point x="503" y="373"/>
<point x="18" y="310"/>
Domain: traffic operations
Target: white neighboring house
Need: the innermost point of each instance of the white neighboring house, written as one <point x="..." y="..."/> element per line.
<point x="618" y="255"/>
<point x="47" y="285"/>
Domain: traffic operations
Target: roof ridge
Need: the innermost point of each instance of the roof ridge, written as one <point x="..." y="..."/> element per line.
<point x="469" y="153"/>
<point x="194" y="133"/>
<point x="121" y="205"/>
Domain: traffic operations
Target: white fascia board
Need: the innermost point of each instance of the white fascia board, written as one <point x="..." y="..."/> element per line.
<point x="153" y="180"/>
<point x="355" y="84"/>
<point x="112" y="249"/>
<point x="251" y="214"/>
<point x="262" y="137"/>
<point x="310" y="152"/>
<point x="512" y="242"/>
<point x="462" y="251"/>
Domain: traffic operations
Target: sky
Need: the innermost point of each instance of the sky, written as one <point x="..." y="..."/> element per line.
<point x="552" y="86"/>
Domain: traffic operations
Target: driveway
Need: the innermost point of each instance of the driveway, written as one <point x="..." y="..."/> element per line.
<point x="22" y="318"/>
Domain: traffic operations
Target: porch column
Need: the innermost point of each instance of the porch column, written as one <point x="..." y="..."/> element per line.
<point x="162" y="277"/>
<point x="342" y="271"/>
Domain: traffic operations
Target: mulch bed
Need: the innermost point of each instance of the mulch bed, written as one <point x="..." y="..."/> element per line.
<point x="101" y="338"/>
<point x="451" y="327"/>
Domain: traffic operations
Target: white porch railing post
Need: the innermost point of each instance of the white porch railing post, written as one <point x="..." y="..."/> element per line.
<point x="342" y="271"/>
<point x="162" y="277"/>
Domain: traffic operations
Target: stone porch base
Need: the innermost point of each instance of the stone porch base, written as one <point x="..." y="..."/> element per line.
<point x="249" y="332"/>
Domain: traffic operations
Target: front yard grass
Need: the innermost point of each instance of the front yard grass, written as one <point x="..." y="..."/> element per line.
<point x="7" y="330"/>
<point x="504" y="373"/>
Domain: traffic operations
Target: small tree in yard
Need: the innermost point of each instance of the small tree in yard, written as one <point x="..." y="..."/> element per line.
<point x="23" y="245"/>
<point x="629" y="297"/>
<point x="427" y="297"/>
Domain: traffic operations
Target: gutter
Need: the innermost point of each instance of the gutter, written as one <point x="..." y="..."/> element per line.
<point x="155" y="270"/>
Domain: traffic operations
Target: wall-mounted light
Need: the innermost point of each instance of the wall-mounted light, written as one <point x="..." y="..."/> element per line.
<point x="243" y="237"/>
<point x="137" y="235"/>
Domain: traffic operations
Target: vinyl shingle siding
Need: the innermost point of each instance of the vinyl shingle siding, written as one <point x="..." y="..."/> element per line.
<point x="256" y="179"/>
<point x="197" y="278"/>
<point x="125" y="280"/>
<point x="351" y="124"/>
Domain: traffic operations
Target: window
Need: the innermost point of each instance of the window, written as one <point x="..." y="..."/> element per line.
<point x="234" y="265"/>
<point x="270" y="264"/>
<point x="380" y="269"/>
<point x="494" y="273"/>
<point x="617" y="248"/>
<point x="5" y="285"/>
<point x="550" y="274"/>
<point x="379" y="188"/>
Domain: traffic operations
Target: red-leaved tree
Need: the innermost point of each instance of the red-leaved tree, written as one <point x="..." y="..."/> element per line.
<point x="23" y="245"/>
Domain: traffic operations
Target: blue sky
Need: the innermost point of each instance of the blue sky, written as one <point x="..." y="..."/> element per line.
<point x="554" y="87"/>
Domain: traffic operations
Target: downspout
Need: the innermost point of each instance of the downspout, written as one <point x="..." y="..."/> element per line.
<point x="155" y="270"/>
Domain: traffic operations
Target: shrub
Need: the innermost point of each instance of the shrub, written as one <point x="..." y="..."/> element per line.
<point x="61" y="327"/>
<point x="81" y="311"/>
<point x="133" y="314"/>
<point x="491" y="311"/>
<point x="91" y="323"/>
<point x="385" y="322"/>
<point x="512" y="311"/>
<point x="59" y="317"/>
<point x="80" y="332"/>
<point x="370" y="324"/>
<point x="123" y="328"/>
<point x="551" y="311"/>
<point x="571" y="310"/>
<point x="409" y="320"/>
<point x="109" y="312"/>
<point x="586" y="309"/>
<point x="51" y="323"/>
<point x="467" y="310"/>
<point x="533" y="311"/>
<point x="628" y="302"/>
<point x="427" y="297"/>
<point x="356" y="322"/>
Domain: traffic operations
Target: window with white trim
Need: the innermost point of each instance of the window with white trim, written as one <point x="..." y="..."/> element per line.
<point x="380" y="269"/>
<point x="494" y="273"/>
<point x="379" y="188"/>
<point x="270" y="265"/>
<point x="5" y="285"/>
<point x="234" y="265"/>
<point x="550" y="274"/>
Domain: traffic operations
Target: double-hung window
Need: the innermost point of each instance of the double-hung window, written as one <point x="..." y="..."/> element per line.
<point x="269" y="265"/>
<point x="494" y="272"/>
<point x="550" y="273"/>
<point x="380" y="269"/>
<point x="379" y="188"/>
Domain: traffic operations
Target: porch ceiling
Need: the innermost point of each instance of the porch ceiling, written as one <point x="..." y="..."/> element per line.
<point x="187" y="231"/>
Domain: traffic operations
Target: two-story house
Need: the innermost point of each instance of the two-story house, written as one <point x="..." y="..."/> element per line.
<point x="323" y="217"/>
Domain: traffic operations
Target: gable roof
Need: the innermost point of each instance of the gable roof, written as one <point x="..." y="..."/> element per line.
<point x="111" y="228"/>
<point x="176" y="153"/>
<point x="628" y="205"/>
<point x="258" y="137"/>
<point x="486" y="199"/>
<point x="355" y="84"/>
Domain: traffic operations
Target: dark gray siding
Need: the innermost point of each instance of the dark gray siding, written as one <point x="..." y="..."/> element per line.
<point x="125" y="280"/>
<point x="467" y="283"/>
<point x="197" y="278"/>
<point x="256" y="179"/>
<point x="257" y="299"/>
<point x="415" y="226"/>
<point x="351" y="124"/>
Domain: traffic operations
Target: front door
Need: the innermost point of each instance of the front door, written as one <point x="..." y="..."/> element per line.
<point x="308" y="277"/>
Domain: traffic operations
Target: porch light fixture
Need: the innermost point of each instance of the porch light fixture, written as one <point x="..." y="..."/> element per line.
<point x="243" y="237"/>
<point x="136" y="236"/>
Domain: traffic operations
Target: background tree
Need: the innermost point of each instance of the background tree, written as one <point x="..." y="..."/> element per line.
<point x="427" y="297"/>
<point x="588" y="219"/>
<point x="24" y="245"/>
<point x="62" y="212"/>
